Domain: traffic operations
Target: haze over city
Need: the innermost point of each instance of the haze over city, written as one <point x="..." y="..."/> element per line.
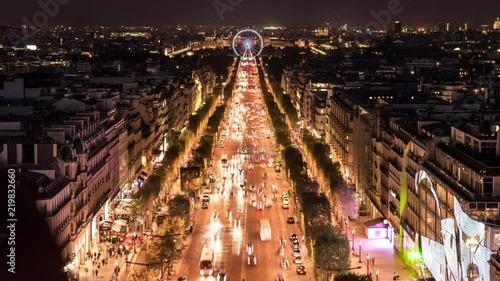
<point x="246" y="12"/>
<point x="228" y="140"/>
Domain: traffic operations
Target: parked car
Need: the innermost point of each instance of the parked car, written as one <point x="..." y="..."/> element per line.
<point x="206" y="198"/>
<point x="301" y="270"/>
<point x="204" y="205"/>
<point x="290" y="220"/>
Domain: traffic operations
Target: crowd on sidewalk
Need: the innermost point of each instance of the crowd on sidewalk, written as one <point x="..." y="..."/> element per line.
<point x="105" y="261"/>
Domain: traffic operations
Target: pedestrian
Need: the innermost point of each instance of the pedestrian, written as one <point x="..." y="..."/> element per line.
<point x="373" y="261"/>
<point x="86" y="270"/>
<point x="96" y="272"/>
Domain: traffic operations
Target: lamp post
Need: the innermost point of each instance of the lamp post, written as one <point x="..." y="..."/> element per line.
<point x="352" y="231"/>
<point x="376" y="275"/>
<point x="367" y="264"/>
<point x="359" y="243"/>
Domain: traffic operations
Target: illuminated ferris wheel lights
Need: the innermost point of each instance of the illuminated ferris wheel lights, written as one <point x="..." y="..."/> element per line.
<point x="247" y="44"/>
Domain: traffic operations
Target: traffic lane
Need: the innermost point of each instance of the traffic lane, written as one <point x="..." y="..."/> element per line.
<point x="200" y="237"/>
<point x="228" y="244"/>
<point x="265" y="251"/>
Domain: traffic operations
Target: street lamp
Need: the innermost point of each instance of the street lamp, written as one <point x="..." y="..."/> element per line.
<point x="376" y="275"/>
<point x="359" y="243"/>
<point x="352" y="231"/>
<point x="367" y="264"/>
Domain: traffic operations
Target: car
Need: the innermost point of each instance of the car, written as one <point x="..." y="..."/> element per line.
<point x="290" y="220"/>
<point x="301" y="270"/>
<point x="206" y="198"/>
<point x="293" y="236"/>
<point x="252" y="260"/>
<point x="280" y="278"/>
<point x="182" y="278"/>
<point x="297" y="260"/>
<point x="260" y="206"/>
<point x="212" y="178"/>
<point x="249" y="249"/>
<point x="296" y="253"/>
<point x="221" y="276"/>
<point x="204" y="205"/>
<point x="284" y="196"/>
<point x="285" y="201"/>
<point x="286" y="206"/>
<point x="295" y="244"/>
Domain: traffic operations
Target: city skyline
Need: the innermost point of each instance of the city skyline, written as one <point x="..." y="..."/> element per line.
<point x="241" y="12"/>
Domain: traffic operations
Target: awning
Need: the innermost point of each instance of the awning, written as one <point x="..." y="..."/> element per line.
<point x="122" y="212"/>
<point x="144" y="174"/>
<point x="105" y="225"/>
<point x="116" y="228"/>
<point x="127" y="241"/>
<point x="120" y="222"/>
<point x="376" y="223"/>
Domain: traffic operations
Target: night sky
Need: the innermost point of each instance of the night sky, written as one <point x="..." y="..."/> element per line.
<point x="250" y="12"/>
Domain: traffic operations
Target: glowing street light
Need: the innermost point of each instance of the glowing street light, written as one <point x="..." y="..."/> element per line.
<point x="367" y="264"/>
<point x="352" y="231"/>
<point x="359" y="243"/>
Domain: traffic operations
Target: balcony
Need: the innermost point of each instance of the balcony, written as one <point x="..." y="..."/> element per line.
<point x="59" y="207"/>
<point x="395" y="163"/>
<point x="449" y="180"/>
<point x="410" y="171"/>
<point x="408" y="228"/>
<point x="394" y="209"/>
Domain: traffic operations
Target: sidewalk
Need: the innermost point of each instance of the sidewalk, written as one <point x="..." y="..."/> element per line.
<point x="178" y="264"/>
<point x="386" y="260"/>
<point x="106" y="271"/>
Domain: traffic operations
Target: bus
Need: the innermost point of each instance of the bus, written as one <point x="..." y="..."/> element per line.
<point x="223" y="159"/>
<point x="206" y="261"/>
<point x="265" y="230"/>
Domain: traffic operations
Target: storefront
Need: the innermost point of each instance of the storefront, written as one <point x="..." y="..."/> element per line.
<point x="105" y="231"/>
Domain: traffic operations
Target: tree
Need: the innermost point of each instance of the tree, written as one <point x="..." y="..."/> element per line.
<point x="173" y="225"/>
<point x="191" y="178"/>
<point x="347" y="201"/>
<point x="142" y="274"/>
<point x="352" y="277"/>
<point x="178" y="206"/>
<point x="161" y="252"/>
<point x="317" y="212"/>
<point x="331" y="248"/>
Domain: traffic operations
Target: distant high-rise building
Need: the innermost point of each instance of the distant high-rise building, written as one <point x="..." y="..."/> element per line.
<point x="398" y="27"/>
<point x="496" y="25"/>
<point x="466" y="26"/>
<point x="447" y="27"/>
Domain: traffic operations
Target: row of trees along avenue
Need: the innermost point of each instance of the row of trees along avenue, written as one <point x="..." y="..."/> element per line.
<point x="329" y="245"/>
<point x="163" y="247"/>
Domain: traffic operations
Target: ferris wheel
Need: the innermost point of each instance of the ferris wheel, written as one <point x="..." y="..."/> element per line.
<point x="247" y="44"/>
